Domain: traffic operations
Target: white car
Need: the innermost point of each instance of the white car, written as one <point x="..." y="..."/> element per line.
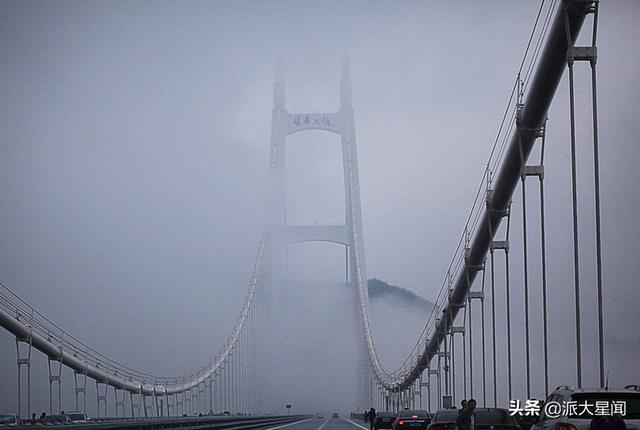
<point x="577" y="416"/>
<point x="77" y="417"/>
<point x="8" y="420"/>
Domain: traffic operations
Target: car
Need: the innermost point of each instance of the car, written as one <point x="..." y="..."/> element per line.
<point x="8" y="420"/>
<point x="526" y="421"/>
<point x="319" y="415"/>
<point x="335" y="415"/>
<point x="384" y="420"/>
<point x="495" y="419"/>
<point x="55" y="420"/>
<point x="77" y="417"/>
<point x="577" y="420"/>
<point x="413" y="419"/>
<point x="444" y="419"/>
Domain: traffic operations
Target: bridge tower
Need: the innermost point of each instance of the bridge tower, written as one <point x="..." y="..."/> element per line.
<point x="280" y="235"/>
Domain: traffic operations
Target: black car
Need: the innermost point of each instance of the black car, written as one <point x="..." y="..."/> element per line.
<point x="444" y="419"/>
<point x="384" y="420"/>
<point x="495" y="419"/>
<point x="55" y="420"/>
<point x="412" y="420"/>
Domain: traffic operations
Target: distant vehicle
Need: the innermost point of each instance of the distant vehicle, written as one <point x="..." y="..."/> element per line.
<point x="444" y="419"/>
<point x="495" y="419"/>
<point x="55" y="420"/>
<point x="335" y="415"/>
<point x="412" y="419"/>
<point x="319" y="415"/>
<point x="581" y="421"/>
<point x="77" y="417"/>
<point x="384" y="420"/>
<point x="8" y="420"/>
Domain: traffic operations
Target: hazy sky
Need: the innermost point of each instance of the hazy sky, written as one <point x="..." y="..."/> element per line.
<point x="135" y="151"/>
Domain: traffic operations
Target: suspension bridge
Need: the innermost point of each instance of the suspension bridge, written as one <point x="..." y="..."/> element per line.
<point x="454" y="357"/>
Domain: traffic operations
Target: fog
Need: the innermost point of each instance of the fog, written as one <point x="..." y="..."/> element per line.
<point x="134" y="173"/>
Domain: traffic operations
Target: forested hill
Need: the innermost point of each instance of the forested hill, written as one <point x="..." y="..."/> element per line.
<point x="380" y="290"/>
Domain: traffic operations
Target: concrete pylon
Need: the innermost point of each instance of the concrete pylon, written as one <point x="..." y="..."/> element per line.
<point x="280" y="235"/>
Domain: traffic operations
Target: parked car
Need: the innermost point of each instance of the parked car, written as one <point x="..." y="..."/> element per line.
<point x="384" y="420"/>
<point x="526" y="421"/>
<point x="55" y="420"/>
<point x="444" y="419"/>
<point x="581" y="421"/>
<point x="77" y="417"/>
<point x="412" y="419"/>
<point x="495" y="419"/>
<point x="8" y="420"/>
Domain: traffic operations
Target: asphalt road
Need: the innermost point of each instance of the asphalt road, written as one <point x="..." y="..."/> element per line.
<point x="323" y="424"/>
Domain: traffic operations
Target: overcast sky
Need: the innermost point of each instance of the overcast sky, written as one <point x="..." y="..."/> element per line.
<point x="135" y="151"/>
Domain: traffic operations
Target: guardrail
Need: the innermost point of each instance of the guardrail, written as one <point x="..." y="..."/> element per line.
<point x="184" y="423"/>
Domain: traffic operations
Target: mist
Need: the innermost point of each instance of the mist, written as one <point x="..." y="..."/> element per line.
<point x="134" y="177"/>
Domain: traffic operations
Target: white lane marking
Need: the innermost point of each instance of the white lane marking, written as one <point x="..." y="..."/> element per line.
<point x="290" y="424"/>
<point x="323" y="424"/>
<point x="356" y="424"/>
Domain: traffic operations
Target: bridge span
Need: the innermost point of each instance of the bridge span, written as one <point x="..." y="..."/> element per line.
<point x="466" y="346"/>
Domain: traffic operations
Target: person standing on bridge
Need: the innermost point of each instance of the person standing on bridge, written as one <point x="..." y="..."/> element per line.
<point x="463" y="405"/>
<point x="466" y="417"/>
<point x="371" y="417"/>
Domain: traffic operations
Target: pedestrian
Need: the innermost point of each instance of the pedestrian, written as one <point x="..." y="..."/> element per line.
<point x="43" y="416"/>
<point x="463" y="405"/>
<point x="371" y="417"/>
<point x="466" y="417"/>
<point x="33" y="418"/>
